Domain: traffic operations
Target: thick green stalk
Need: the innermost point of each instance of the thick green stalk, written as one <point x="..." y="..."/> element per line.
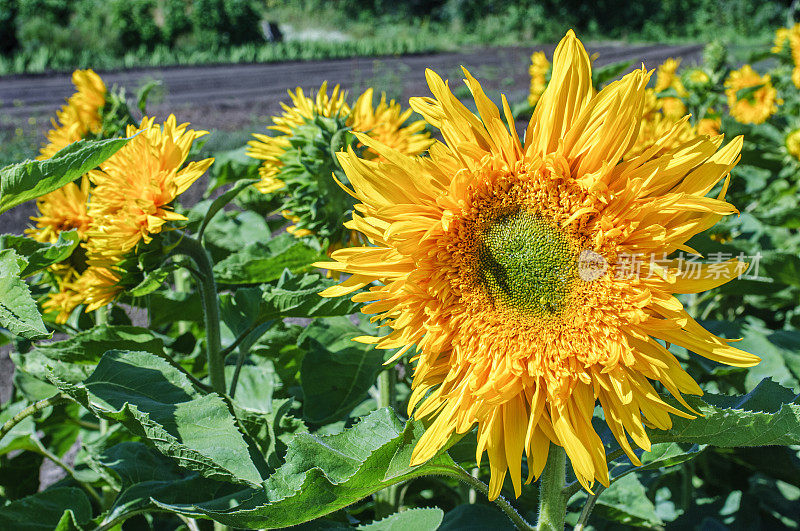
<point x="552" y="502"/>
<point x="101" y="315"/>
<point x="30" y="410"/>
<point x="386" y="499"/>
<point x="181" y="285"/>
<point x="208" y="294"/>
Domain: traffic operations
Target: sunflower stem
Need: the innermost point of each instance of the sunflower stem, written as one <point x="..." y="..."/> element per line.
<point x="30" y="410"/>
<point x="101" y="315"/>
<point x="192" y="248"/>
<point x="386" y="500"/>
<point x="552" y="502"/>
<point x="587" y="508"/>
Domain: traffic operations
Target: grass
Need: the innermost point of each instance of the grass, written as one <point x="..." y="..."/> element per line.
<point x="43" y="60"/>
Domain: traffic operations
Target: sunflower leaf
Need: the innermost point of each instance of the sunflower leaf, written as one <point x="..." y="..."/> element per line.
<point x="39" y="254"/>
<point x="225" y="198"/>
<point x="427" y="519"/>
<point x="18" y="311"/>
<point x="157" y="401"/>
<point x="475" y="516"/>
<point x="35" y="178"/>
<point x="626" y="502"/>
<point x="44" y="511"/>
<point x="299" y="296"/>
<point x="322" y="474"/>
<point x="261" y="262"/>
<point x="336" y="372"/>
<point x="74" y="359"/>
<point x="768" y="415"/>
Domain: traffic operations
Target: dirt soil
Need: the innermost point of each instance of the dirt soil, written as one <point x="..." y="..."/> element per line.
<point x="243" y="97"/>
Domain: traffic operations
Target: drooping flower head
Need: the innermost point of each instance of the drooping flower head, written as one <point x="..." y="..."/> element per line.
<point x="81" y="115"/>
<point x="502" y="264"/>
<point x="751" y="97"/>
<point x="62" y="210"/>
<point x="299" y="162"/>
<point x="134" y="189"/>
<point x="538" y="70"/>
<point x="270" y="149"/>
<point x="130" y="202"/>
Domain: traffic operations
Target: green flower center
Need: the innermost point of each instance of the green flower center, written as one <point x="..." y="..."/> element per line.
<point x="527" y="264"/>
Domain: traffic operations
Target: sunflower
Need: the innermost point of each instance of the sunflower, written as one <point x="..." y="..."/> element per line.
<point x="95" y="287"/>
<point x="128" y="204"/>
<point x="760" y="101"/>
<point x="81" y="115"/>
<point x="385" y="122"/>
<point x="661" y="129"/>
<point x="538" y="71"/>
<point x="62" y="210"/>
<point x="301" y="161"/>
<point x="792" y="143"/>
<point x="666" y="78"/>
<point x="134" y="188"/>
<point x="710" y="125"/>
<point x="501" y="262"/>
<point x="781" y="38"/>
<point x="270" y="149"/>
<point x="791" y="36"/>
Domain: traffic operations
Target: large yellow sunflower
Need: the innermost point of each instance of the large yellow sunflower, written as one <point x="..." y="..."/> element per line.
<point x="80" y="116"/>
<point x="501" y="263"/>
<point x="758" y="105"/>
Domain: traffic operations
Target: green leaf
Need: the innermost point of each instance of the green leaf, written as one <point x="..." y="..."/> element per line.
<point x="336" y="372"/>
<point x="221" y="201"/>
<point x="153" y="280"/>
<point x="299" y="296"/>
<point x="271" y="430"/>
<point x="768" y="415"/>
<point x="31" y="179"/>
<point x="155" y="400"/>
<point x="626" y="502"/>
<point x="143" y="474"/>
<point x="606" y="73"/>
<point x="38" y="254"/>
<point x="661" y="455"/>
<point x="427" y="519"/>
<point x="166" y="307"/>
<point x="44" y="511"/>
<point x="476" y="518"/>
<point x="74" y="359"/>
<point x="231" y="166"/>
<point x="19" y="438"/>
<point x="323" y="474"/>
<point x="260" y="262"/>
<point x="18" y="310"/>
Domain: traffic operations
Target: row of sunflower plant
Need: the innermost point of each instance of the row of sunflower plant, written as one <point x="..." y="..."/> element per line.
<point x="369" y="302"/>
